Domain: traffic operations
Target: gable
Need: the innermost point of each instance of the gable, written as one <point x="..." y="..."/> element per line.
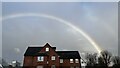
<point x="51" y="50"/>
<point x="35" y="51"/>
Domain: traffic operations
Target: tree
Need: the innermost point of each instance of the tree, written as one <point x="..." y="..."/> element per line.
<point x="105" y="58"/>
<point x="116" y="61"/>
<point x="100" y="61"/>
<point x="91" y="59"/>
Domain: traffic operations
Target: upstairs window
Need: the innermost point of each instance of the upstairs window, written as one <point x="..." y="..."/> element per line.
<point x="53" y="66"/>
<point x="47" y="49"/>
<point x="53" y="58"/>
<point x="71" y="60"/>
<point x="61" y="60"/>
<point x="40" y="58"/>
<point x="76" y="61"/>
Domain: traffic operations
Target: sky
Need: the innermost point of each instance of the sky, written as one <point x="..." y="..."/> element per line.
<point x="1" y="31"/>
<point x="97" y="19"/>
<point x="60" y="0"/>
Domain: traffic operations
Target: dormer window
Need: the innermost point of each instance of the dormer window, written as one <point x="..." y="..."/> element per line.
<point x="47" y="49"/>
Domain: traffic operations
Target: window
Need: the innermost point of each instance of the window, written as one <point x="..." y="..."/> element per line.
<point x="53" y="66"/>
<point x="53" y="58"/>
<point x="40" y="58"/>
<point x="61" y="60"/>
<point x="47" y="49"/>
<point x="47" y="62"/>
<point x="39" y="66"/>
<point x="76" y="61"/>
<point x="72" y="67"/>
<point x="77" y="66"/>
<point x="71" y="60"/>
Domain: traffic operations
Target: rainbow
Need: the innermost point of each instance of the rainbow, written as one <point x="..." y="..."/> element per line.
<point x="94" y="44"/>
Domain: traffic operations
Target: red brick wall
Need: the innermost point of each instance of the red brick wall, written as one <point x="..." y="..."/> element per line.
<point x="32" y="61"/>
<point x="66" y="63"/>
<point x="51" y="53"/>
<point x="28" y="61"/>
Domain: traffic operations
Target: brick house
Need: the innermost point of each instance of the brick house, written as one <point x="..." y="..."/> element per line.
<point x="48" y="57"/>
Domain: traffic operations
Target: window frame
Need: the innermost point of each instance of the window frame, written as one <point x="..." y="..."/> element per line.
<point x="76" y="60"/>
<point x="53" y="57"/>
<point x="53" y="66"/>
<point x="40" y="58"/>
<point x="71" y="61"/>
<point x="47" y="49"/>
<point x="61" y="61"/>
<point x="39" y="66"/>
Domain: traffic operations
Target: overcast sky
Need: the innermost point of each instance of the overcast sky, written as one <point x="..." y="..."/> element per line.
<point x="59" y="0"/>
<point x="98" y="20"/>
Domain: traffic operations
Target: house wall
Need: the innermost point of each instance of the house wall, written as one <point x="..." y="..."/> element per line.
<point x="32" y="61"/>
<point x="51" y="53"/>
<point x="28" y="61"/>
<point x="66" y="63"/>
<point x="37" y="63"/>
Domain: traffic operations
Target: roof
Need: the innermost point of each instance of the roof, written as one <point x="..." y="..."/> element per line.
<point x="68" y="54"/>
<point x="34" y="51"/>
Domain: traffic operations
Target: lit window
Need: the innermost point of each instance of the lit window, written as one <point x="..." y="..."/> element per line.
<point x="61" y="60"/>
<point x="53" y="58"/>
<point x="76" y="61"/>
<point x="47" y="49"/>
<point x="40" y="58"/>
<point x="47" y="62"/>
<point x="71" y="60"/>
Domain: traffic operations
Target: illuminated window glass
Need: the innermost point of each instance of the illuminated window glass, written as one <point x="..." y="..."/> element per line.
<point x="53" y="58"/>
<point x="61" y="60"/>
<point x="40" y="58"/>
<point x="76" y="61"/>
<point x="71" y="60"/>
<point x="47" y="49"/>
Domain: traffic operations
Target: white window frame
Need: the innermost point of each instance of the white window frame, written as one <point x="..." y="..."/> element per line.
<point x="39" y="67"/>
<point x="61" y="60"/>
<point x="53" y="66"/>
<point x="76" y="60"/>
<point x="47" y="49"/>
<point x="40" y="58"/>
<point x="71" y="61"/>
<point x="53" y="58"/>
